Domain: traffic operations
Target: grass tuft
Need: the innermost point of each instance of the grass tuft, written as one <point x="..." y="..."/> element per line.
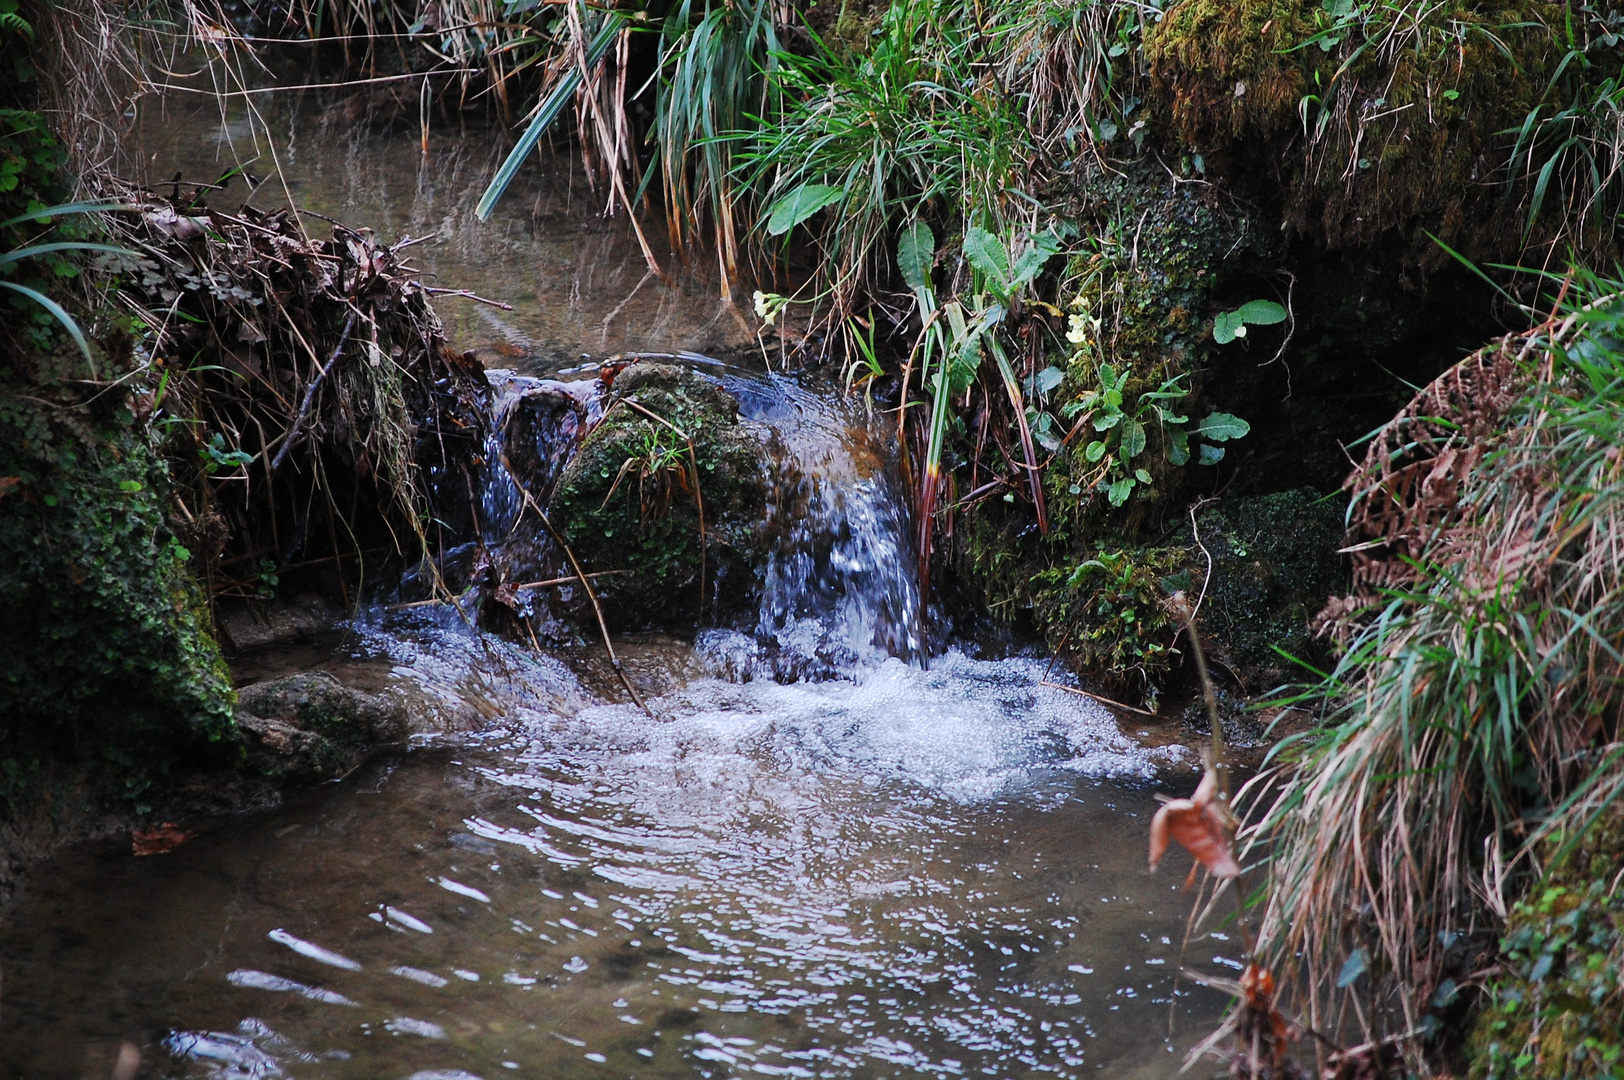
<point x="1477" y="702"/>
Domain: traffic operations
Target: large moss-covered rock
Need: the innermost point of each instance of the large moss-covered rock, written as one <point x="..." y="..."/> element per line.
<point x="1274" y="561"/>
<point x="669" y="443"/>
<point x="1411" y="116"/>
<point x="106" y="633"/>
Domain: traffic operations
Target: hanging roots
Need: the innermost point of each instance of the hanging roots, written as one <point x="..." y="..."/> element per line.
<point x="316" y="419"/>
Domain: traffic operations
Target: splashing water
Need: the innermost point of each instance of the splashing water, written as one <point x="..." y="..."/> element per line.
<point x="813" y="856"/>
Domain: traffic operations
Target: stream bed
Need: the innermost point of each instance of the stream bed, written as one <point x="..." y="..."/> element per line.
<point x="814" y="856"/>
<point x="898" y="873"/>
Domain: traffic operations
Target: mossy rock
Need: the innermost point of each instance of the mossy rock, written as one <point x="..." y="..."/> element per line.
<point x="1101" y="601"/>
<point x="110" y="657"/>
<point x="628" y="502"/>
<point x="1556" y="1007"/>
<point x="1274" y="562"/>
<point x="1419" y="117"/>
<point x="311" y="726"/>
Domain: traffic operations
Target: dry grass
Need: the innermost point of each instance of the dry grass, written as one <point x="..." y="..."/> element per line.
<point x="1477" y="703"/>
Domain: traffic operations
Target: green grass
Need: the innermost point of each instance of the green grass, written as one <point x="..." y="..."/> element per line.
<point x="1476" y="702"/>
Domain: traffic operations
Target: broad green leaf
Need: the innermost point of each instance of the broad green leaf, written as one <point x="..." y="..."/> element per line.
<point x="1221" y="427"/>
<point x="1210" y="454"/>
<point x="1133" y="439"/>
<point x="1142" y="475"/>
<point x="1232" y="324"/>
<point x="1095" y="451"/>
<point x="916" y="253"/>
<point x="1047" y="379"/>
<point x="1118" y="492"/>
<point x="1178" y="449"/>
<point x="1108" y="420"/>
<point x="987" y="254"/>
<point x="1043" y="247"/>
<point x="799" y="205"/>
<point x="1262" y="313"/>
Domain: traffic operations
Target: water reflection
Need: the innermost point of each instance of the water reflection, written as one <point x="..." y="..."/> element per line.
<point x="577" y="281"/>
<point x="900" y="873"/>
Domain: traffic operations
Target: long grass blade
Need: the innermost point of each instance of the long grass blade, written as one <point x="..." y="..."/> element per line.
<point x="551" y="107"/>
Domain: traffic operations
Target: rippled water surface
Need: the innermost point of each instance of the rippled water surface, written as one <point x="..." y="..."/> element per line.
<point x="814" y="858"/>
<point x="900" y="873"/>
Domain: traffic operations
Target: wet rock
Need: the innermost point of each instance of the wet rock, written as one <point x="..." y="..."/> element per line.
<point x="668" y="455"/>
<point x="254" y="624"/>
<point x="311" y="726"/>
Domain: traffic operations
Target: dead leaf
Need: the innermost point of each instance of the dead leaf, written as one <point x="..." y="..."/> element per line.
<point x="1200" y="824"/>
<point x="8" y="484"/>
<point x="159" y="838"/>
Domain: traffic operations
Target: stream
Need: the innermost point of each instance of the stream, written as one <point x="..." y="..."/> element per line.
<point x="814" y="856"/>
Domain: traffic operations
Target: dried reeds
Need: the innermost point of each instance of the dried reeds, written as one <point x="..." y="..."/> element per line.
<point x="1477" y="704"/>
<point x="314" y="413"/>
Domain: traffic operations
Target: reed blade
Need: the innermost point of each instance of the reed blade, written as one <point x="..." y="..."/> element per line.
<point x="548" y="111"/>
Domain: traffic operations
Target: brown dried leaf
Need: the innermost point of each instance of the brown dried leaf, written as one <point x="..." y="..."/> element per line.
<point x="159" y="839"/>
<point x="1200" y="825"/>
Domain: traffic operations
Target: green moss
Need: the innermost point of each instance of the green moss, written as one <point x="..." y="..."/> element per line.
<point x="1555" y="1009"/>
<point x="1100" y="601"/>
<point x="110" y="659"/>
<point x="1371" y="122"/>
<point x="1274" y="561"/>
<point x="107" y="636"/>
<point x="628" y="501"/>
<point x="1154" y="258"/>
<point x="1099" y="604"/>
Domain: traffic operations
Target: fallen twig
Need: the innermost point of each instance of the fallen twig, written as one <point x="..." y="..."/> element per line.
<point x="1097" y="697"/>
<point x="465" y="294"/>
<point x="310" y="393"/>
<point x="581" y="576"/>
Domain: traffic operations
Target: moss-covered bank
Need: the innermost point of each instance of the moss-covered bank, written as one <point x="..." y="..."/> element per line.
<point x="110" y="655"/>
<point x="1555" y="1006"/>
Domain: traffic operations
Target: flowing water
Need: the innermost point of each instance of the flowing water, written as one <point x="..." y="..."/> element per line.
<point x="577" y="283"/>
<point x="815" y="856"/>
